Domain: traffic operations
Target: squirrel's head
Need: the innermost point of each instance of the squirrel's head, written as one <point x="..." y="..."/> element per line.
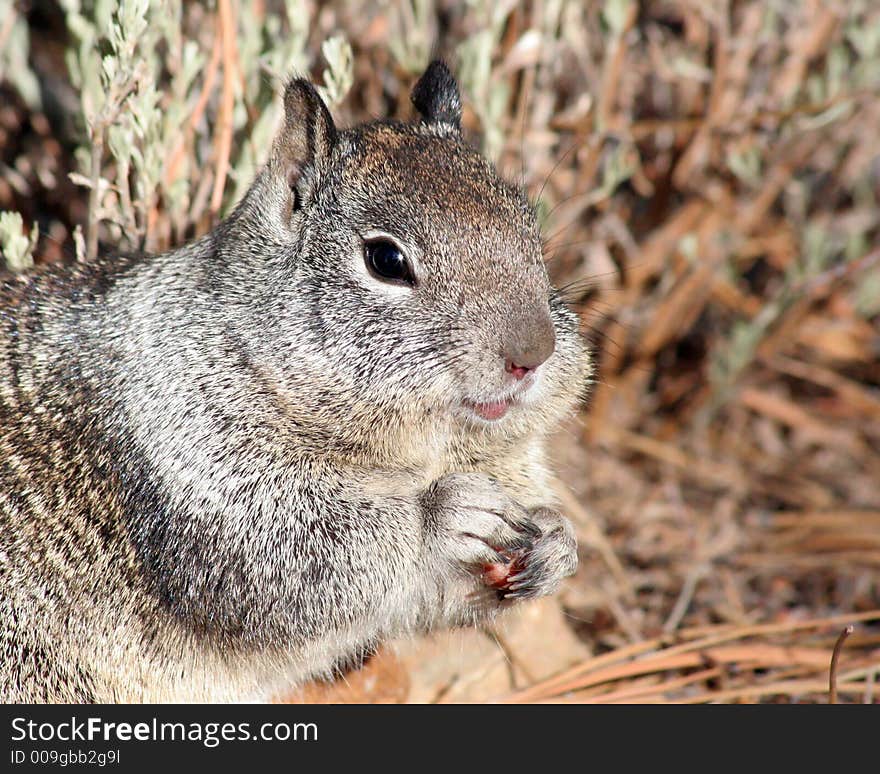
<point x="401" y="280"/>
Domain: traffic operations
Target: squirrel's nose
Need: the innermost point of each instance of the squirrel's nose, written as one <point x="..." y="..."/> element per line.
<point x="529" y="347"/>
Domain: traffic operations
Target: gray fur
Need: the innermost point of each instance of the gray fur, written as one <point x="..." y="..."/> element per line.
<point x="230" y="467"/>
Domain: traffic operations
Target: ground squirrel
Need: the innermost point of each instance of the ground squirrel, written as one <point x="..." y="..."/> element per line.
<point x="228" y="468"/>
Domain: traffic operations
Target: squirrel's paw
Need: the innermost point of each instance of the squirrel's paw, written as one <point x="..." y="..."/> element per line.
<point x="476" y="524"/>
<point x="538" y="570"/>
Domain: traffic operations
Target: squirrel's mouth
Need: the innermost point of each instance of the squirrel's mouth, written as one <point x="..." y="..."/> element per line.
<point x="491" y="411"/>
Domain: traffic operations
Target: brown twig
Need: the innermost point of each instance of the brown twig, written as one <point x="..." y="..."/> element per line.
<point x="118" y="93"/>
<point x="96" y="156"/>
<point x="614" y="63"/>
<point x="835" y="656"/>
<point x="198" y="110"/>
<point x="227" y="102"/>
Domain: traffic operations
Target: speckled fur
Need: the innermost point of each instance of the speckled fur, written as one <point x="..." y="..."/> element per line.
<point x="231" y="467"/>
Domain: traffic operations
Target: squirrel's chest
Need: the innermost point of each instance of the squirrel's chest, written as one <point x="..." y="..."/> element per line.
<point x="519" y="467"/>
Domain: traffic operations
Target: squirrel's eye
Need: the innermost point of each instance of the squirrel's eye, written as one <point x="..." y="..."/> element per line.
<point x="386" y="262"/>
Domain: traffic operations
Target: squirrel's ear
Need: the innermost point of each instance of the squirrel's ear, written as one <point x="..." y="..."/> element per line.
<point x="436" y="96"/>
<point x="306" y="141"/>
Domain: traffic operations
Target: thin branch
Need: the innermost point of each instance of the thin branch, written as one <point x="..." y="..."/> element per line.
<point x="835" y="655"/>
<point x="227" y="102"/>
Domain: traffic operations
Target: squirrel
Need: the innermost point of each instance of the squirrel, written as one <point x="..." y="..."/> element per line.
<point x="227" y="469"/>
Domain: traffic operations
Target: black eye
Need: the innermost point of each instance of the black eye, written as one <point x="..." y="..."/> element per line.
<point x="386" y="262"/>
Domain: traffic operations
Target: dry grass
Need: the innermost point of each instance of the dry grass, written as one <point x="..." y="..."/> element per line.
<point x="709" y="176"/>
<point x="770" y="662"/>
<point x="733" y="436"/>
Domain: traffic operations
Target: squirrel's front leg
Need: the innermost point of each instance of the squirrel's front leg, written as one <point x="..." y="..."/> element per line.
<point x="489" y="548"/>
<point x="475" y="551"/>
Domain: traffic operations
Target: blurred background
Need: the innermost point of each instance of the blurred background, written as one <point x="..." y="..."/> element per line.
<point x="707" y="175"/>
